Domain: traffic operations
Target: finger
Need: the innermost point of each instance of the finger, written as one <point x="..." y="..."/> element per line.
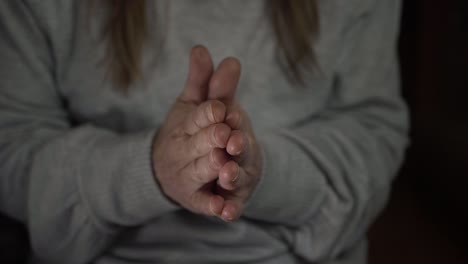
<point x="206" y="114"/>
<point x="206" y="169"/>
<point x="234" y="117"/>
<point x="199" y="75"/>
<point x="214" y="136"/>
<point x="208" y="203"/>
<point x="230" y="177"/>
<point x="224" y="81"/>
<point x="216" y="205"/>
<point x="237" y="143"/>
<point x="232" y="210"/>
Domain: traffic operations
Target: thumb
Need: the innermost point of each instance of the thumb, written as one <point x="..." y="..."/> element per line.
<point x="200" y="71"/>
<point x="224" y="82"/>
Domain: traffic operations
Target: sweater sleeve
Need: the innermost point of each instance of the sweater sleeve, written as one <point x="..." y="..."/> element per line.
<point x="326" y="179"/>
<point x="74" y="187"/>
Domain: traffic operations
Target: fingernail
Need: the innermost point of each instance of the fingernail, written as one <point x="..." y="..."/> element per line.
<point x="226" y="216"/>
<point x="215" y="132"/>
<point x="232" y="150"/>
<point x="237" y="174"/>
<point x="238" y="152"/>
<point x="211" y="114"/>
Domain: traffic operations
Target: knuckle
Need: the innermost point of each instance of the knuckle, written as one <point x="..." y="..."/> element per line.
<point x="211" y="135"/>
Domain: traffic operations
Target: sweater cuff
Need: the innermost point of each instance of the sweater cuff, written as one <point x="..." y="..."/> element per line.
<point x="290" y="190"/>
<point x="257" y="206"/>
<point x="122" y="190"/>
<point x="143" y="194"/>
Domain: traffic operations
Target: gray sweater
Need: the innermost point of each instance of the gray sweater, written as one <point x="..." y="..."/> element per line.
<point x="75" y="163"/>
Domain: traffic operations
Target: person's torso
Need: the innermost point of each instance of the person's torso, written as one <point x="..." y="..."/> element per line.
<point x="227" y="28"/>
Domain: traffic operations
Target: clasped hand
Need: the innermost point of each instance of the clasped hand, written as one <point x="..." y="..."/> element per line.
<point x="205" y="155"/>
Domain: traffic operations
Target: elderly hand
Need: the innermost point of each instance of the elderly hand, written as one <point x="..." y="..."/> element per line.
<point x="188" y="151"/>
<point x="205" y="155"/>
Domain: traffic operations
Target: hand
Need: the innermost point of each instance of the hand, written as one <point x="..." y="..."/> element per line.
<point x="239" y="176"/>
<point x="188" y="151"/>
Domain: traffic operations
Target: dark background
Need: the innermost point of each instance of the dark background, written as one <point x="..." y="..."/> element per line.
<point x="426" y="219"/>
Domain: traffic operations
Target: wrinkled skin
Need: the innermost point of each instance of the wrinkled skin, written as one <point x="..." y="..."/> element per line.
<point x="205" y="155"/>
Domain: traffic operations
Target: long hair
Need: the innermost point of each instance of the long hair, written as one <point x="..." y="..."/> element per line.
<point x="295" y="23"/>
